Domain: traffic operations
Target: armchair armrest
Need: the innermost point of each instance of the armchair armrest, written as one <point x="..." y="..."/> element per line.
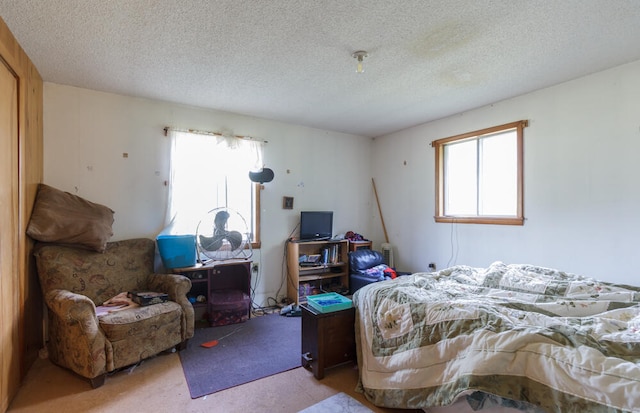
<point x="177" y="286"/>
<point x="83" y="340"/>
<point x="71" y="307"/>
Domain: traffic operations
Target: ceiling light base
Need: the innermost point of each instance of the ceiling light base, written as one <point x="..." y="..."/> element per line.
<point x="359" y="56"/>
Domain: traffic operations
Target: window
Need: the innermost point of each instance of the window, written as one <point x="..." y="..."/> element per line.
<point x="210" y="171"/>
<point x="479" y="176"/>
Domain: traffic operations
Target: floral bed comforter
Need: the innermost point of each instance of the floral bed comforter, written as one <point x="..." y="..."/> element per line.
<point x="535" y="338"/>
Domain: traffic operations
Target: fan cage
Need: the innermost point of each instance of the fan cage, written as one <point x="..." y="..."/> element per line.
<point x="222" y="234"/>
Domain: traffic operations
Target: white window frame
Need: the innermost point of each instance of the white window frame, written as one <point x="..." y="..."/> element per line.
<point x="441" y="184"/>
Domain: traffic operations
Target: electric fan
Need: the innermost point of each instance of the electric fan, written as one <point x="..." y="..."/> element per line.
<point x="222" y="234"/>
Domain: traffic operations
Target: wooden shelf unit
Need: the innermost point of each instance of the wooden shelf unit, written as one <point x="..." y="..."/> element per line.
<point x="303" y="281"/>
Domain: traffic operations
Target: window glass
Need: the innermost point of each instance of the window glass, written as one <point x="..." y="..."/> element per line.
<point x="209" y="172"/>
<point x="461" y="165"/>
<point x="498" y="175"/>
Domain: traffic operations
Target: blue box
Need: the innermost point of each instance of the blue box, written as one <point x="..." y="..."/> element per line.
<point x="177" y="251"/>
<point x="326" y="303"/>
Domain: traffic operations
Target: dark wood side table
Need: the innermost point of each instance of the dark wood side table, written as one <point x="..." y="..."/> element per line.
<point x="328" y="339"/>
<point x="357" y="245"/>
<point x="217" y="276"/>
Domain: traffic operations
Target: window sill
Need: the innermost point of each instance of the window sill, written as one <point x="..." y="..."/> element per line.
<point x="481" y="220"/>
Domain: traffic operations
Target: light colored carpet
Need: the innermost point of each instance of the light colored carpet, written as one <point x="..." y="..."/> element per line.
<point x="339" y="403"/>
<point x="159" y="385"/>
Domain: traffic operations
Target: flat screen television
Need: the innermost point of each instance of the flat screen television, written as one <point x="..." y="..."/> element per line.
<point x="316" y="225"/>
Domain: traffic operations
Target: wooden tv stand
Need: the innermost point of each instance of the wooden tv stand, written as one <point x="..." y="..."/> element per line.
<point x="303" y="281"/>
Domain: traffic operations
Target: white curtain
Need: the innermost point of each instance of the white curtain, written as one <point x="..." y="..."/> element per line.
<point x="207" y="172"/>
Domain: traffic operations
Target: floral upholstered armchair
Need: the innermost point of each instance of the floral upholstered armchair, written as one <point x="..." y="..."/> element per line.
<point x="75" y="280"/>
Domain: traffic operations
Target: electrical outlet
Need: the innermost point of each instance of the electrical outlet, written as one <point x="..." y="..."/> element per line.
<point x="255" y="267"/>
<point x="432" y="266"/>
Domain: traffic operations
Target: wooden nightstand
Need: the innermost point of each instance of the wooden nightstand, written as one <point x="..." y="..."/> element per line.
<point x="356" y="245"/>
<point x="328" y="339"/>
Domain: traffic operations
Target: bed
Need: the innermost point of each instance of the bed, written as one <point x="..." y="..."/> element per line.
<point x="528" y="337"/>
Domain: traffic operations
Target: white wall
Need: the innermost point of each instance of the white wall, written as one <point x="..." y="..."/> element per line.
<point x="86" y="133"/>
<point x="581" y="168"/>
<point x="581" y="194"/>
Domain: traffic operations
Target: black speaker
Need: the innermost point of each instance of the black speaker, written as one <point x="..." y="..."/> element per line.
<point x="262" y="176"/>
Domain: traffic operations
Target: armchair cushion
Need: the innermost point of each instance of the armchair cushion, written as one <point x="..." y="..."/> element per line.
<point x="74" y="281"/>
<point x="122" y="324"/>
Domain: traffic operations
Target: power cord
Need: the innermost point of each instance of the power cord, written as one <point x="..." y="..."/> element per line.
<point x="454" y="251"/>
<point x="284" y="266"/>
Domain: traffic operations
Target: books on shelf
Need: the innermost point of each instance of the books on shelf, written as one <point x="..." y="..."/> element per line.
<point x="327" y="255"/>
<point x="334" y="254"/>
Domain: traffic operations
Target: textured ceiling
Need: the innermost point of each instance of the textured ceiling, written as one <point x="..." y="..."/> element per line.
<point x="290" y="60"/>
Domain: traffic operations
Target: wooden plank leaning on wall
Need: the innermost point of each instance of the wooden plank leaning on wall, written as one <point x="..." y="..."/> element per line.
<point x="21" y="135"/>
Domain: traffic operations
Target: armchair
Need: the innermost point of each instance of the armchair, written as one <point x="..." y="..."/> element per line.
<point x="74" y="281"/>
<point x="367" y="266"/>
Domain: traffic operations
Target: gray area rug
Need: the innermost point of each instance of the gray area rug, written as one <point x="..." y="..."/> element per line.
<point x="338" y="403"/>
<point x="260" y="347"/>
